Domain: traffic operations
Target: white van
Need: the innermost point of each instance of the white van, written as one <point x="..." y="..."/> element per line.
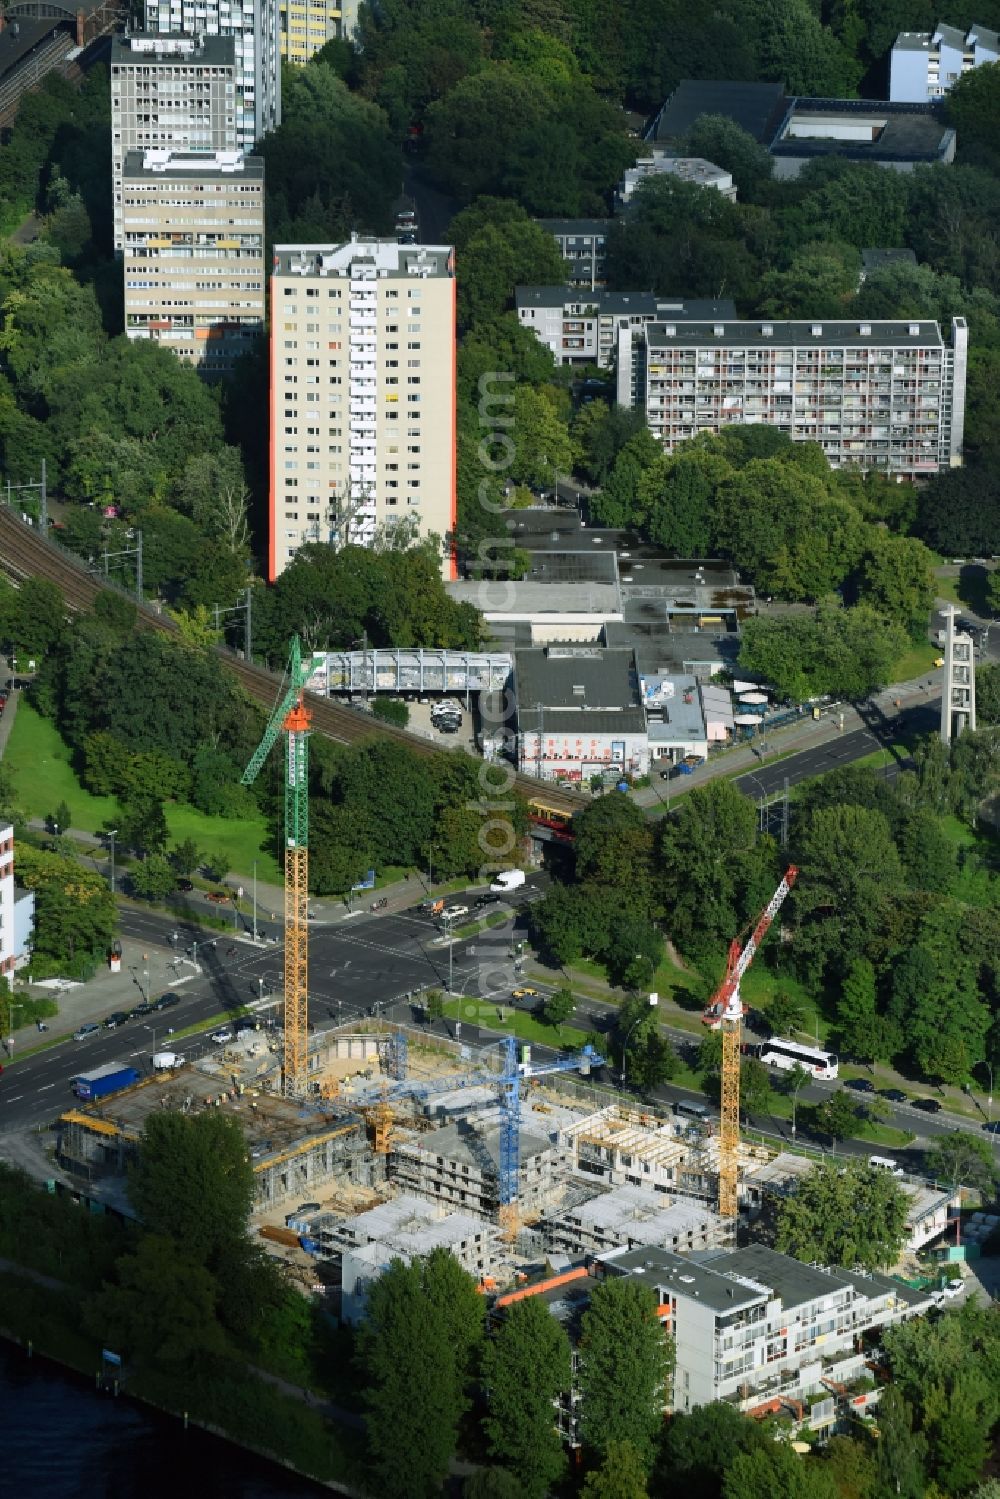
<point x="164" y="1061"/>
<point x="508" y="879"/>
<point x="886" y="1163"/>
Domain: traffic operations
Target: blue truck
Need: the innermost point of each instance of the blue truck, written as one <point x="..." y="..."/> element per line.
<point x="111" y="1078"/>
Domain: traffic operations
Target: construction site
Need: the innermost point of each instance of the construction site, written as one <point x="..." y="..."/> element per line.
<point x="374" y="1142"/>
<point x="404" y="1142"/>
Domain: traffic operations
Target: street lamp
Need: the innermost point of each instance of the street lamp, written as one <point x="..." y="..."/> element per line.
<point x="989" y="1100"/>
<point x="112" y="835"/>
<point x="654" y="1000"/>
<point x="255" y="900"/>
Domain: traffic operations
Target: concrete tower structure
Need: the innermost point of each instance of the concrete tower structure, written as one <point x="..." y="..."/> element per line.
<point x="958" y="692"/>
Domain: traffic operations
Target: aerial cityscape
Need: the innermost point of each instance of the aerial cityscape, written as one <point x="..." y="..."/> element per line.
<point x="500" y="749"/>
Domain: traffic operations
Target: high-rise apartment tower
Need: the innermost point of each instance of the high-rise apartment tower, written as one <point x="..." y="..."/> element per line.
<point x="170" y="93"/>
<point x="253" y="27"/>
<point x="362" y="394"/>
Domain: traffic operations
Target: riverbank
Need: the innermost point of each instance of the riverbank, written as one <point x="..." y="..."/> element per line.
<point x="232" y="1403"/>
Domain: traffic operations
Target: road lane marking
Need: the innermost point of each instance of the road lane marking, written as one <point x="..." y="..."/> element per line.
<point x="44" y="1086"/>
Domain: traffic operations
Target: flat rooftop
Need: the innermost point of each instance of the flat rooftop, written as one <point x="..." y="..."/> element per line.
<point x="640" y="1216"/>
<point x="529" y="598"/>
<point x="142" y="48"/>
<point x="206" y="166"/>
<point x="576" y="677"/>
<point x="368" y="258"/>
<point x="821" y="333"/>
<point x="686" y="1276"/>
<point x="605" y="303"/>
<point x="469" y="1143"/>
<point x="898" y="131"/>
<point x="756" y="107"/>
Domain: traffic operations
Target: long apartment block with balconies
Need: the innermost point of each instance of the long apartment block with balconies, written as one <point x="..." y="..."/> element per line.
<point x="193" y="253"/>
<point x="169" y="93"/>
<point x="887" y="395"/>
<point x="362" y="394"/>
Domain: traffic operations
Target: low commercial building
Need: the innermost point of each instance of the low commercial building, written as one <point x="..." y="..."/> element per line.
<point x="758" y="1328"/>
<point x="193" y="246"/>
<point x="585" y="330"/>
<point x="579" y="713"/>
<point x="582" y="245"/>
<point x="887" y="395"/>
<point x="693" y="169"/>
<point x="674" y="718"/>
<point x="888" y="133"/>
<point x="925" y="65"/>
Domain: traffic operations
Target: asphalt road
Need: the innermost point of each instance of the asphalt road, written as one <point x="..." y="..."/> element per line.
<point x="372" y="962"/>
<point x="852" y="745"/>
<point x="361" y="965"/>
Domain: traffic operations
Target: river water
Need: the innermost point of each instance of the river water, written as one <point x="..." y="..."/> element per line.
<point x="59" y="1439"/>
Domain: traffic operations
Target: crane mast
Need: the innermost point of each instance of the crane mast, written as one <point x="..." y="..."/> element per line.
<point x="291" y="718"/>
<point x="725" y="1012"/>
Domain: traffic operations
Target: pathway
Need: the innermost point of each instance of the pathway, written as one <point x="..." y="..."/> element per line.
<point x="7" y="718"/>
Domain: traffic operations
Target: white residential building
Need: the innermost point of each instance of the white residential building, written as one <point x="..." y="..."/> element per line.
<point x="693" y="169"/>
<point x="585" y="329"/>
<point x="362" y="394"/>
<point x="17" y="910"/>
<point x="751" y="1326"/>
<point x="886" y="395"/>
<point x="925" y="65"/>
<point x="255" y="32"/>
<point x="170" y="93"/>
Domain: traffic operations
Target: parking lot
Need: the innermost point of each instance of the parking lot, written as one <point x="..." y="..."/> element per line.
<point x="420" y="723"/>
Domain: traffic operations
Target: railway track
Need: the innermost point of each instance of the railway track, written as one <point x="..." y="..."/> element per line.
<point x="25" y="554"/>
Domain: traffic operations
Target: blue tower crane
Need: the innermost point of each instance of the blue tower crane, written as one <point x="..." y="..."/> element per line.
<point x="508" y="1084"/>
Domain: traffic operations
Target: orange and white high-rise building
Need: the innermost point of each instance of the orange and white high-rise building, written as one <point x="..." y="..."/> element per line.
<point x="362" y="395"/>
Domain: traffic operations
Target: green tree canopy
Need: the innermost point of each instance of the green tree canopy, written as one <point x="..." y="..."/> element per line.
<point x="625" y="1362"/>
<point x="193" y="1183"/>
<point x="526" y="1367"/>
<point x="844" y="1214"/>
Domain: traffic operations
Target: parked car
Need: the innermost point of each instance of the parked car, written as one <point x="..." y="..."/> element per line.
<point x="454" y="912"/>
<point x="166" y="1001"/>
<point x="244" y="1024"/>
<point x="993" y="1128"/>
<point x="222" y="1035"/>
<point x="114" y="1020"/>
<point x="893" y="1095"/>
<point x="139" y="1010"/>
<point x="185" y="885"/>
<point x="952" y="1289"/>
<point x="90" y="1029"/>
<point x="860" y="1085"/>
<point x="929" y="1105"/>
<point x="220" y="897"/>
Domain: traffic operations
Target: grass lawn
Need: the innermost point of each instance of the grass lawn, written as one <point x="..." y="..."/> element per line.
<point x="45" y="777"/>
<point x="915" y="662"/>
<point x="517" y="1022"/>
<point x="967" y="589"/>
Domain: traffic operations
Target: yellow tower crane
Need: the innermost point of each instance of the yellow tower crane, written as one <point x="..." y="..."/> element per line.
<point x="725" y="1012"/>
<point x="291" y="717"/>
